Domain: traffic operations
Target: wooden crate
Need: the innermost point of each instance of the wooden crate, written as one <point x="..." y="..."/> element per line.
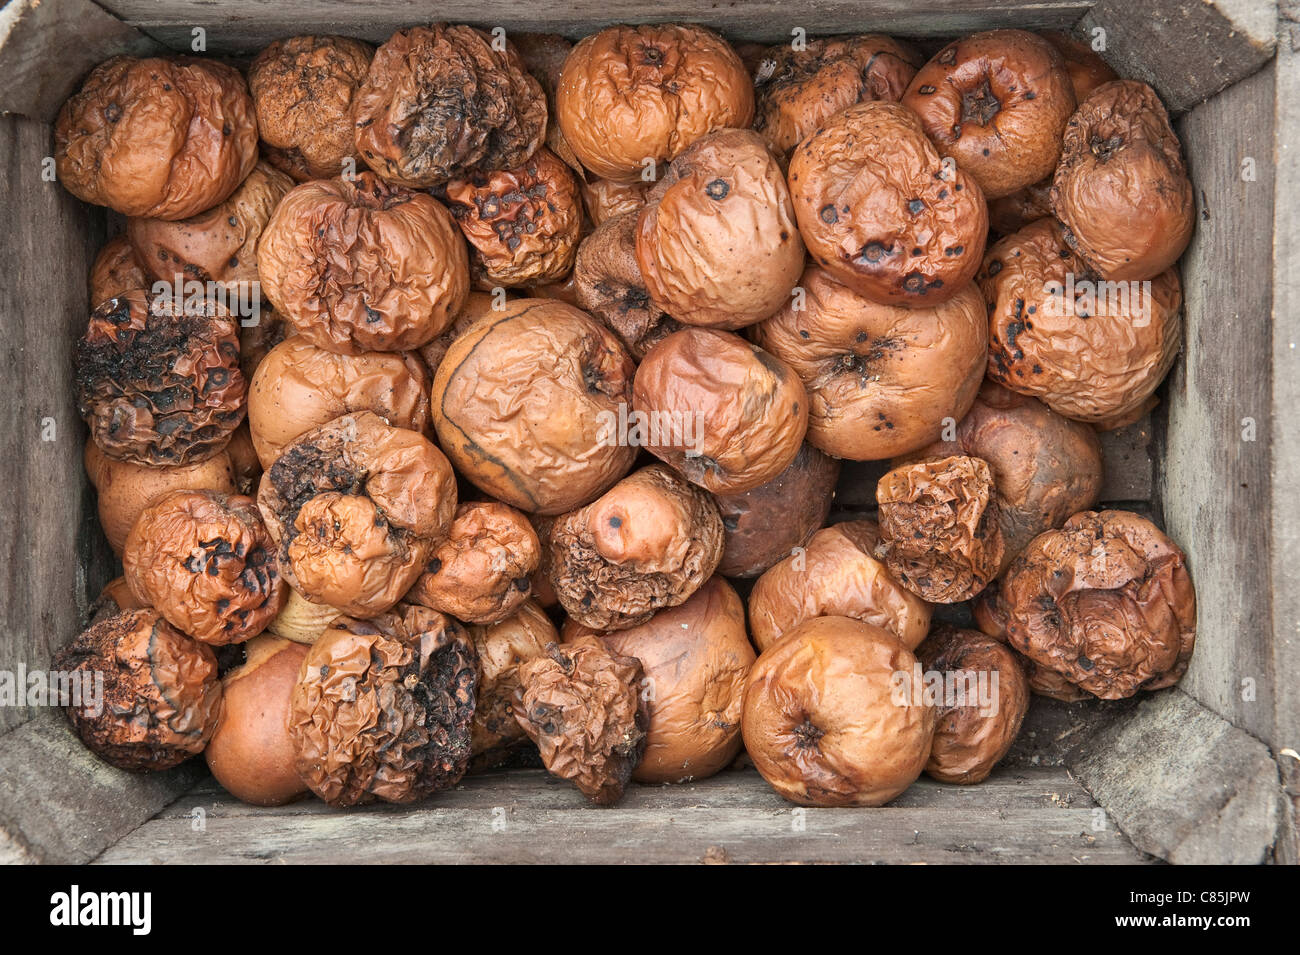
<point x="1207" y="772"/>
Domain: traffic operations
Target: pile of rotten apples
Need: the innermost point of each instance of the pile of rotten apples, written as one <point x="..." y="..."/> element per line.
<point x="435" y="390"/>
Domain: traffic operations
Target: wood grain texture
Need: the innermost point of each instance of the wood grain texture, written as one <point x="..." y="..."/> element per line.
<point x="240" y="26"/>
<point x="1128" y="465"/>
<point x="51" y="552"/>
<point x="1215" y="485"/>
<point x="1183" y="783"/>
<point x="1018" y="816"/>
<point x="1187" y="49"/>
<point x="1022" y="788"/>
<point x="60" y="804"/>
<point x="1285" y="504"/>
<point x="1052" y="729"/>
<point x="47" y="46"/>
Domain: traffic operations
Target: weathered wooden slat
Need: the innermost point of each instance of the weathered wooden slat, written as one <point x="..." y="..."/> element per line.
<point x="245" y="25"/>
<point x="1187" y="49"/>
<point x="621" y="836"/>
<point x="1016" y="817"/>
<point x="1128" y="468"/>
<point x="1029" y="788"/>
<point x="47" y="46"/>
<point x="60" y="804"/>
<point x="1284" y="525"/>
<point x="1182" y="782"/>
<point x="1216" y="471"/>
<point x="1053" y="729"/>
<point x="51" y="555"/>
<point x="856" y="490"/>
